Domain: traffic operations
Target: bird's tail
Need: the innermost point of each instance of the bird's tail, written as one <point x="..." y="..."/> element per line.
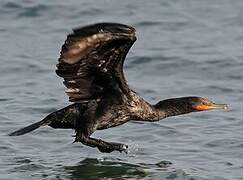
<point x="65" y="118"/>
<point x="46" y="121"/>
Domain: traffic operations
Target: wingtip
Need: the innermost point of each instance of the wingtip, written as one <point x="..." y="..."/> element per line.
<point x="112" y="27"/>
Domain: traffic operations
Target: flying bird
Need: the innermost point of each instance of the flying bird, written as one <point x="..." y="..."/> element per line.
<point x="91" y="64"/>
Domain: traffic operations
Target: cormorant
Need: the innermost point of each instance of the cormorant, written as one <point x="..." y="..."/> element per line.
<point x="91" y="64"/>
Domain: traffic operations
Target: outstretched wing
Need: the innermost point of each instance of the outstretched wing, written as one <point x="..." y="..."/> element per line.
<point x="91" y="60"/>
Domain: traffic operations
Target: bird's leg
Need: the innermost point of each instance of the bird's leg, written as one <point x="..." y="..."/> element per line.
<point x="103" y="146"/>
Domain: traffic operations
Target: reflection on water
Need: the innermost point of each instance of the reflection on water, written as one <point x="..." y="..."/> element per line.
<point x="98" y="169"/>
<point x="92" y="169"/>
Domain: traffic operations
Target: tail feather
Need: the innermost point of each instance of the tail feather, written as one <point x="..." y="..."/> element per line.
<point x="29" y="128"/>
<point x="65" y="118"/>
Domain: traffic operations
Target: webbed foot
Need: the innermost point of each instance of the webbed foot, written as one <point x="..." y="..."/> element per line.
<point x="109" y="147"/>
<point x="103" y="146"/>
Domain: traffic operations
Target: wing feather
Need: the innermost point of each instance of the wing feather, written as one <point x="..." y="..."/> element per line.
<point x="91" y="60"/>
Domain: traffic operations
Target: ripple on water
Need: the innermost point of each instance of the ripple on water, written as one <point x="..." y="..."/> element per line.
<point x="13" y="5"/>
<point x="25" y="10"/>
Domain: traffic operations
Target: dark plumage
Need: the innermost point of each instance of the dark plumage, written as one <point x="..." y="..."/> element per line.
<point x="91" y="64"/>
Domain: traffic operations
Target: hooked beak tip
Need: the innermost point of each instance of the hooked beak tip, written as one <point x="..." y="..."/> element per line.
<point x="212" y="106"/>
<point x="226" y="107"/>
<point x="220" y="106"/>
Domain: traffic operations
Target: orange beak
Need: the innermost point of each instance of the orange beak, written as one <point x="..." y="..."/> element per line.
<point x="203" y="107"/>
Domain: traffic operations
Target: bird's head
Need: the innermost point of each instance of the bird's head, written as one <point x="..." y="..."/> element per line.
<point x="184" y="105"/>
<point x="203" y="104"/>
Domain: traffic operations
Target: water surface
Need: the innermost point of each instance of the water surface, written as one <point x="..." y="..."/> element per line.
<point x="187" y="47"/>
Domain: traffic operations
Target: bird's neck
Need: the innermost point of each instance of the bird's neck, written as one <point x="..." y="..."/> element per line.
<point x="173" y="107"/>
<point x="142" y="110"/>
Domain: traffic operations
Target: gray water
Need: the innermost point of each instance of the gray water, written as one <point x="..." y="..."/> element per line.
<point x="186" y="47"/>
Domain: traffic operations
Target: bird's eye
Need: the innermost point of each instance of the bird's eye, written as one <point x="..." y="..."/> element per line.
<point x="206" y="102"/>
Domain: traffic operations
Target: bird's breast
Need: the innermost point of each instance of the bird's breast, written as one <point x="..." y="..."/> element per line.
<point x="112" y="120"/>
